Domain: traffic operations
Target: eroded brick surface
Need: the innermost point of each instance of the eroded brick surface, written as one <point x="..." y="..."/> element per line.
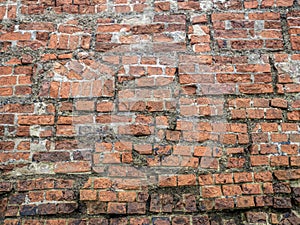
<point x="149" y="112"/>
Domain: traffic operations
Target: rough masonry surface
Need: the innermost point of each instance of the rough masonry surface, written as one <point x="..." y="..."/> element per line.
<point x="161" y="112"/>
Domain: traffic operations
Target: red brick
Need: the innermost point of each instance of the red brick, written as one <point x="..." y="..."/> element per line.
<point x="295" y="161"/>
<point x="102" y="183"/>
<point x="223" y="178"/>
<point x="35" y="120"/>
<point x="88" y="195"/>
<point x="209" y="162"/>
<point x="245" y="202"/>
<point x="294" y="116"/>
<point x="176" y="220"/>
<point x="269" y="127"/>
<point x="243" y="138"/>
<point x="288" y="127"/>
<point x="57" y="195"/>
<point x="227" y="16"/>
<point x="187" y="179"/>
<point x="235" y="162"/>
<point x="7" y="119"/>
<point x="72" y="167"/>
<point x="44" y="183"/>
<point x="136" y="208"/>
<point x="5" y="187"/>
<point x="105" y="107"/>
<point x="167" y="181"/>
<point x="280" y="103"/>
<point x="279" y="137"/>
<point x="127" y="196"/>
<point x="111" y="158"/>
<point x="259" y="160"/>
<point x="85" y="105"/>
<point x="231" y="190"/>
<point x="256" y="88"/>
<point x="260" y="102"/>
<point x="15" y="36"/>
<point x="263" y="176"/>
<point x="205" y="179"/>
<point x="256" y="217"/>
<point x="279" y="161"/>
<point x="20" y="156"/>
<point x="242" y="177"/>
<point x="202" y="151"/>
<point x="268" y="188"/>
<point x="224" y="203"/>
<point x="15" y="108"/>
<point x="116" y="208"/>
<point x="268" y="149"/>
<point x="107" y="196"/>
<point x="211" y="191"/>
<point x="251" y="188"/>
<point x="136" y="130"/>
<point x="56" y="221"/>
<point x="274" y="114"/>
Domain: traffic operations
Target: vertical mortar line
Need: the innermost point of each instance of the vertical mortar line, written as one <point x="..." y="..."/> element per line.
<point x="243" y="6"/>
<point x="188" y="23"/>
<point x="250" y="126"/>
<point x="274" y="73"/>
<point x="93" y="34"/>
<point x="54" y="138"/>
<point x="116" y="84"/>
<point x="248" y="146"/>
<point x="36" y="79"/>
<point x="18" y="9"/>
<point x="93" y="147"/>
<point x="285" y="33"/>
<point x="211" y="32"/>
<point x="151" y="4"/>
<point x="148" y="202"/>
<point x="177" y="98"/>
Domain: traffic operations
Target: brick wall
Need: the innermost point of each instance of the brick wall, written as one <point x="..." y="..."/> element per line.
<point x="149" y="112"/>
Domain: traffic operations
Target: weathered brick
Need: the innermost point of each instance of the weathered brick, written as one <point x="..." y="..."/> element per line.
<point x="180" y="220"/>
<point x="72" y="167"/>
<point x="5" y="186"/>
<point x="282" y="202"/>
<point x="116" y="208"/>
<point x="167" y="181"/>
<point x="256" y="217"/>
<point x="136" y="208"/>
<point x="251" y="188"/>
<point x="28" y="210"/>
<point x="211" y="191"/>
<point x="245" y="201"/>
<point x="230" y="190"/>
<point x="188" y="179"/>
<point x="35" y="120"/>
<point x="224" y="203"/>
<point x="155" y="95"/>
<point x="47" y="209"/>
<point x="88" y="195"/>
<point x="51" y="156"/>
<point x="242" y="177"/>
